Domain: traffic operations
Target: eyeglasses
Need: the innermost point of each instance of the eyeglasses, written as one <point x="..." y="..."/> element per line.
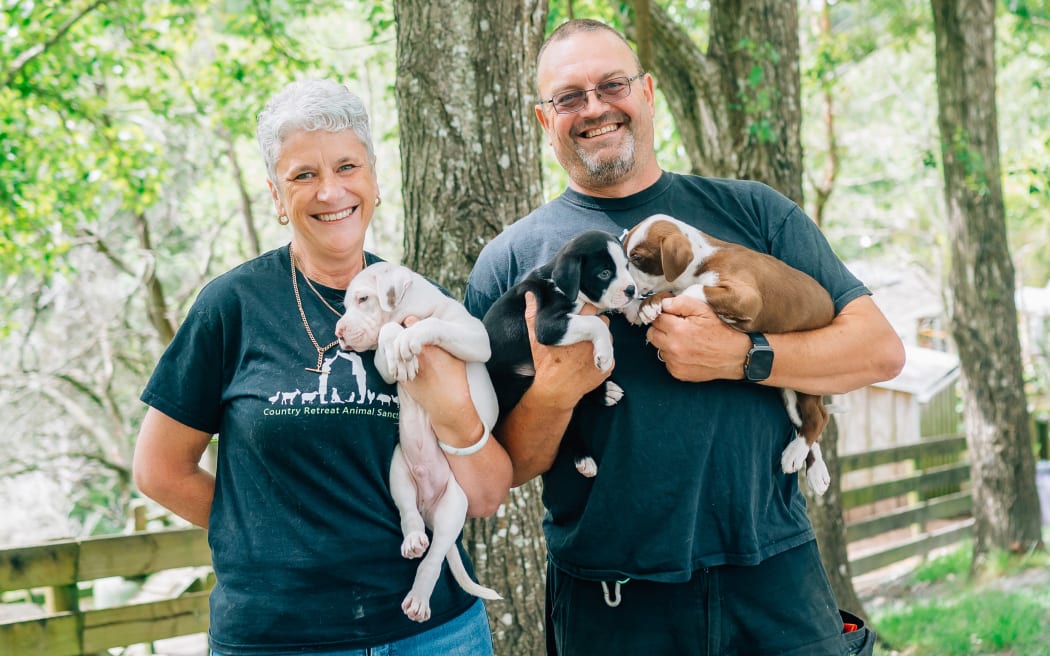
<point x="611" y="90"/>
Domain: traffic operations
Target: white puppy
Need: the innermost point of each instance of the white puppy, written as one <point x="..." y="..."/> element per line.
<point x="425" y="491"/>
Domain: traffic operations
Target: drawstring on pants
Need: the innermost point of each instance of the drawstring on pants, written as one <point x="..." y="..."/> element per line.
<point x="612" y="601"/>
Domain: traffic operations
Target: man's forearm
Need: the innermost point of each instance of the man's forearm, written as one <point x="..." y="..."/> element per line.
<point x="858" y="348"/>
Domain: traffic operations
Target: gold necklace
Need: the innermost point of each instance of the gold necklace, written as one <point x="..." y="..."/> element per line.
<point x="321" y="350"/>
<point x="364" y="264"/>
<point x="318" y="294"/>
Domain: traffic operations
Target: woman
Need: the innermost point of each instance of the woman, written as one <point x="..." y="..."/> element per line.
<point x="305" y="537"/>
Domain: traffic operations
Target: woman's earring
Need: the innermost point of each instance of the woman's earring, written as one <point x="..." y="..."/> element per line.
<point x="283" y="219"/>
<point x="379" y="201"/>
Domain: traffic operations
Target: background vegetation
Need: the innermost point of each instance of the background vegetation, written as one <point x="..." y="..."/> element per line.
<point x="938" y="611"/>
<point x="129" y="176"/>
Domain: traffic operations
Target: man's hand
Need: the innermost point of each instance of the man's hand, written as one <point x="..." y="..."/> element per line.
<point x="532" y="430"/>
<point x="564" y="374"/>
<point x="695" y="344"/>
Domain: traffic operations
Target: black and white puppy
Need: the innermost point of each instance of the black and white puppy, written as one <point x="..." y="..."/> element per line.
<point x="590" y="268"/>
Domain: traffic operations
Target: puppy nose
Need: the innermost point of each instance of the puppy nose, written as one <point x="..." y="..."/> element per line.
<point x="629" y="291"/>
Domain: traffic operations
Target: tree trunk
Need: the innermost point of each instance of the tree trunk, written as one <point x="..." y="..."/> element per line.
<point x="471" y="164"/>
<point x="470" y="154"/>
<point x="737" y="107"/>
<point x="825" y="512"/>
<point x="983" y="315"/>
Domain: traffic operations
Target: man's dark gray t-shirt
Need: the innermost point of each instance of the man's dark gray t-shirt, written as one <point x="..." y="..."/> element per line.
<point x="689" y="473"/>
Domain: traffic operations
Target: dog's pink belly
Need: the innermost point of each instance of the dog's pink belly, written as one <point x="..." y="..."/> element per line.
<point x="426" y="462"/>
<point x="431" y="483"/>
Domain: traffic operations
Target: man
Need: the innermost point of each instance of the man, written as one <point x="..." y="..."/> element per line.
<point x="690" y="540"/>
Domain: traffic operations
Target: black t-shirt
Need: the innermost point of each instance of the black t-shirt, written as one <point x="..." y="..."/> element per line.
<point x="688" y="473"/>
<point x="305" y="536"/>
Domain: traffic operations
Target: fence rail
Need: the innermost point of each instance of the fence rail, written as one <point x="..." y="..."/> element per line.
<point x="933" y="504"/>
<point x="64" y="629"/>
<point x="61" y="570"/>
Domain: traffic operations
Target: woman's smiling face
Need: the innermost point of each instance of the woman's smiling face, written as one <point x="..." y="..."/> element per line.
<point x="326" y="186"/>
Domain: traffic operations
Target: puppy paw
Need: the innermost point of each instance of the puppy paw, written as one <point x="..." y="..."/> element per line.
<point x="613" y="393"/>
<point x="632" y="312"/>
<point x="408" y="369"/>
<point x="410" y="343"/>
<point x="818" y="478"/>
<point x="587" y="466"/>
<point x="794" y="456"/>
<point x="416" y="607"/>
<point x="603" y="355"/>
<point x="388" y="360"/>
<point x="650" y="310"/>
<point x="414" y="545"/>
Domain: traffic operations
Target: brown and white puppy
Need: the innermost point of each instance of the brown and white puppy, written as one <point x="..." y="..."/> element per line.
<point x="425" y="491"/>
<point x="751" y="291"/>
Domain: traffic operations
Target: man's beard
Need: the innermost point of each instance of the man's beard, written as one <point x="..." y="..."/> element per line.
<point x="606" y="172"/>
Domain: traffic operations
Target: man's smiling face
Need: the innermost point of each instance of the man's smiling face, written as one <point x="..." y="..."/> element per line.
<point x="605" y="142"/>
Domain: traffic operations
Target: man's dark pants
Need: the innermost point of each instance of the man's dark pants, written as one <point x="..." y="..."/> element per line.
<point x="782" y="606"/>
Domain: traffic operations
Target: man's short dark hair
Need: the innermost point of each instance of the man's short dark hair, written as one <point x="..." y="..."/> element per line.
<point x="577" y="25"/>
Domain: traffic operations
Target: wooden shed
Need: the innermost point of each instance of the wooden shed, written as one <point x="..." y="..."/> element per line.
<point x="920" y="402"/>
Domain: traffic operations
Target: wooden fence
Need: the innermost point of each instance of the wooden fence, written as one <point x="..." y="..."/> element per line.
<point x="921" y="501"/>
<point x="927" y="487"/>
<point x="64" y="629"/>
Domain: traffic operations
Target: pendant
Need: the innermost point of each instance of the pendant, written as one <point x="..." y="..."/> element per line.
<point x="320" y="358"/>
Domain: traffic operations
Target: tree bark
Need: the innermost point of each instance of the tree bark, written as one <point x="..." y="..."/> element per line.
<point x="983" y="315"/>
<point x="470" y="154"/>
<point x="737" y="106"/>
<point x="825" y="512"/>
<point x="471" y="165"/>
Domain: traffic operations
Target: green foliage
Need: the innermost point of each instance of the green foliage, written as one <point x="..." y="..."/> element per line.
<point x="120" y="128"/>
<point x="94" y="93"/>
<point x="1023" y="57"/>
<point x="951" y="565"/>
<point x="757" y="96"/>
<point x="1031" y="11"/>
<point x="977" y="622"/>
<point x="559" y="11"/>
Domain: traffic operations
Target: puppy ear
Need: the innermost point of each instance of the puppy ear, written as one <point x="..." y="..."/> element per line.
<point x="392" y="288"/>
<point x="675" y="254"/>
<point x="566" y="275"/>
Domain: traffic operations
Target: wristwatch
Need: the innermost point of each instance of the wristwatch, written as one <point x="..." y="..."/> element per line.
<point x="759" y="360"/>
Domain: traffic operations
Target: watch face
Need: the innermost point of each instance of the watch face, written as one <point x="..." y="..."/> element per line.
<point x="759" y="363"/>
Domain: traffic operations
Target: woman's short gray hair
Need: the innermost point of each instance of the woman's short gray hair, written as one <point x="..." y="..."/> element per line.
<point x="310" y="105"/>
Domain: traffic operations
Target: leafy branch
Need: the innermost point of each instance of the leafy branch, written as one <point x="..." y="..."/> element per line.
<point x="28" y="55"/>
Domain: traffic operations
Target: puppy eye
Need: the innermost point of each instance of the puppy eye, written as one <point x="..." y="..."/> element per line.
<point x="361" y="300"/>
<point x="605" y="275"/>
